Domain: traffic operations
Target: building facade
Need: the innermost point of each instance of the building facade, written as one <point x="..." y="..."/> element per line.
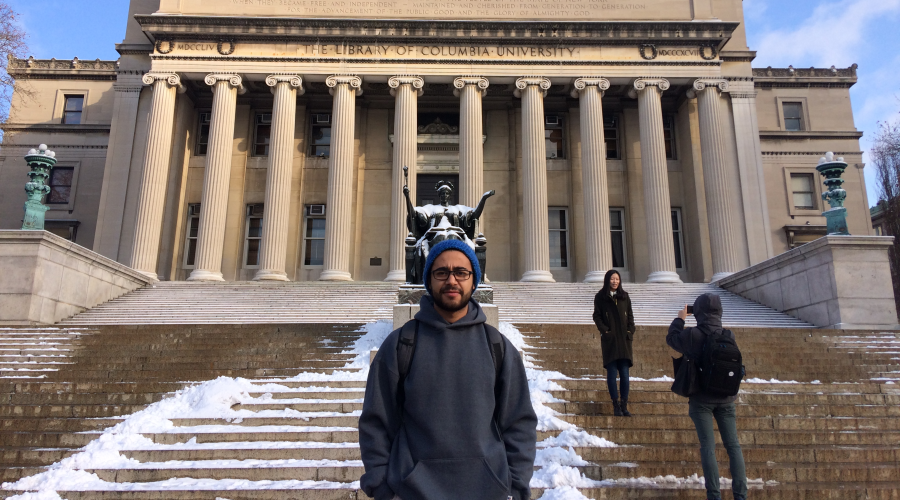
<point x="264" y="139"/>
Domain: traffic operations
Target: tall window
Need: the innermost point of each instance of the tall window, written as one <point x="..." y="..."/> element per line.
<point x="314" y="236"/>
<point x="793" y="116"/>
<point x="802" y="191"/>
<point x="669" y="136"/>
<point x="74" y="104"/>
<point x="254" y="235"/>
<point x="678" y="238"/>
<point x="190" y="235"/>
<point x="611" y="136"/>
<point x="60" y="185"/>
<point x="262" y="132"/>
<point x="202" y="133"/>
<point x="553" y="133"/>
<point x="559" y="238"/>
<point x="617" y="235"/>
<point x="320" y="140"/>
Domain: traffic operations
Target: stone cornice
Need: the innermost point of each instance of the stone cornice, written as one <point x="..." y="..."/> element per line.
<point x="66" y="128"/>
<point x="400" y="31"/>
<point x="791" y="77"/>
<point x="52" y="69"/>
<point x="806" y="135"/>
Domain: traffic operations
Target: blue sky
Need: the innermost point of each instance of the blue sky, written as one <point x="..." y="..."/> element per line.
<point x="803" y="33"/>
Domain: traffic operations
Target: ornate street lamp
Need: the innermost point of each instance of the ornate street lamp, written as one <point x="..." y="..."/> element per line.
<point x="832" y="170"/>
<point x="41" y="161"/>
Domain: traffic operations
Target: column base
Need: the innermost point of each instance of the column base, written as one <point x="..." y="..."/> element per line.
<point x="595" y="277"/>
<point x="719" y="276"/>
<point x="335" y="275"/>
<point x="148" y="274"/>
<point x="538" y="277"/>
<point x="396" y="276"/>
<point x="204" y="275"/>
<point x="265" y="275"/>
<point x="664" y="277"/>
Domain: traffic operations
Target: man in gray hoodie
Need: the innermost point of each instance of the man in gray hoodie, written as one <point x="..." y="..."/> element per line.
<point x="703" y="408"/>
<point x="466" y="429"/>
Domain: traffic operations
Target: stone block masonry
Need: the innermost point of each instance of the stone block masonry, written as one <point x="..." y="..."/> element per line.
<point x="835" y="282"/>
<point x="45" y="278"/>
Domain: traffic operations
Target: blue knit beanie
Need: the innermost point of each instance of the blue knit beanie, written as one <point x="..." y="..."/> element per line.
<point x="450" y="245"/>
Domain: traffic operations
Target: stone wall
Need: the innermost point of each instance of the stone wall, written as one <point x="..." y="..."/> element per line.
<point x="46" y="278"/>
<point x="835" y="282"/>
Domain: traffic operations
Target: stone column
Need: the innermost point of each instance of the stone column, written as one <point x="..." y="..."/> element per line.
<point x="406" y="90"/>
<point x="593" y="170"/>
<point x="657" y="206"/>
<point x="214" y="201"/>
<point x="148" y="223"/>
<point x="532" y="90"/>
<point x="470" y="90"/>
<point x="278" y="177"/>
<point x="344" y="88"/>
<point x="719" y="210"/>
<point x="753" y="182"/>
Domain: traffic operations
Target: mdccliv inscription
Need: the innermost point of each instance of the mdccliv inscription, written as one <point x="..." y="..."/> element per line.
<point x="583" y="10"/>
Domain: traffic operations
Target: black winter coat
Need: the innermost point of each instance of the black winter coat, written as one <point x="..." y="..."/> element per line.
<point x="615" y="320"/>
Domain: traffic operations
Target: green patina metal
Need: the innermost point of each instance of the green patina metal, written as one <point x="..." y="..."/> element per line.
<point x="40" y="161"/>
<point x="832" y="169"/>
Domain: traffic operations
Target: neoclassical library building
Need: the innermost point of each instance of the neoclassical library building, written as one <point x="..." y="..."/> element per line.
<point x="243" y="140"/>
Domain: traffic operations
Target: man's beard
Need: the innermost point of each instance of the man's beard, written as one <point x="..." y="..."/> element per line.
<point x="452" y="307"/>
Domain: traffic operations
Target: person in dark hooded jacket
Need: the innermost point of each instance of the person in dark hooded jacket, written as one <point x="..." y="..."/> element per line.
<point x="453" y="438"/>
<point x="615" y="320"/>
<point x="704" y="408"/>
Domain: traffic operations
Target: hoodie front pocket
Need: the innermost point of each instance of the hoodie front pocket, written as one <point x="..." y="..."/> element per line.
<point x="456" y="478"/>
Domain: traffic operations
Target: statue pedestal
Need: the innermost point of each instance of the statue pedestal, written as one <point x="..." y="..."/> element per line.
<point x="837" y="221"/>
<point x="408" y="297"/>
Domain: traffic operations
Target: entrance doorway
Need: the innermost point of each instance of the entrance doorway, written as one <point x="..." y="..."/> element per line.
<point x="426" y="194"/>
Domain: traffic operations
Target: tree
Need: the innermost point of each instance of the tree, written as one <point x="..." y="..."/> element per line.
<point x="12" y="44"/>
<point x="885" y="156"/>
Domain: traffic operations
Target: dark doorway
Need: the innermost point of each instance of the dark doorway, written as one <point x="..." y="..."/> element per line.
<point x="426" y="194"/>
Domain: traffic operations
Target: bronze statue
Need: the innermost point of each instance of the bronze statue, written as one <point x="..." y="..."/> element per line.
<point x="430" y="224"/>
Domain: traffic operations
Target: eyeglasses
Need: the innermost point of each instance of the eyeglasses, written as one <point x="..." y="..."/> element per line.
<point x="444" y="274"/>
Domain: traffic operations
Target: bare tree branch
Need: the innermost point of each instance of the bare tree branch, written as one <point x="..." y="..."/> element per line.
<point x="885" y="155"/>
<point x="12" y="44"/>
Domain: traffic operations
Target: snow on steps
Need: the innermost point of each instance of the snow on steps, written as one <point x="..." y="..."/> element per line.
<point x="314" y="302"/>
<point x="296" y="437"/>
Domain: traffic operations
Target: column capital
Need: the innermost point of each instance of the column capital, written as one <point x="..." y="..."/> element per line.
<point x="173" y="79"/>
<point x="415" y="81"/>
<point x="704" y="83"/>
<point x="526" y="81"/>
<point x="293" y="80"/>
<point x="353" y="81"/>
<point x="589" y="81"/>
<point x="234" y="80"/>
<point x="460" y="83"/>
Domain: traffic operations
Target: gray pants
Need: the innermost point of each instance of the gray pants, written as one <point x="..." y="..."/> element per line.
<point x="702" y="414"/>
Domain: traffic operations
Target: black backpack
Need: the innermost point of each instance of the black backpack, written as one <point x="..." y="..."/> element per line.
<point x="406" y="347"/>
<point x="721" y="365"/>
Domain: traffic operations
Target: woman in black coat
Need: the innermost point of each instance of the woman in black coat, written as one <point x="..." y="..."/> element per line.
<point x="615" y="320"/>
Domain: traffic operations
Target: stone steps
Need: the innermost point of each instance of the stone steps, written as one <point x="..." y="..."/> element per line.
<point x="822" y="440"/>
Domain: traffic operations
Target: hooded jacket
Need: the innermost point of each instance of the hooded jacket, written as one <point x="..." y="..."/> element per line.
<point x="690" y="341"/>
<point x="444" y="444"/>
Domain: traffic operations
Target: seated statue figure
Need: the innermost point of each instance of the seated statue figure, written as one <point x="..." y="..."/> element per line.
<point x="430" y="224"/>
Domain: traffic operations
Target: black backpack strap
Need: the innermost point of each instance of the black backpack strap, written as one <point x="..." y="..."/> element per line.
<point x="498" y="350"/>
<point x="406" y="347"/>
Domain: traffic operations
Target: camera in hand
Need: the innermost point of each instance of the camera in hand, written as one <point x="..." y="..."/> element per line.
<point x="690" y="309"/>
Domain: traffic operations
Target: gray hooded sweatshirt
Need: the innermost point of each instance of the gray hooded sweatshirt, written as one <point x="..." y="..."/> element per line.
<point x="690" y="341"/>
<point x="444" y="443"/>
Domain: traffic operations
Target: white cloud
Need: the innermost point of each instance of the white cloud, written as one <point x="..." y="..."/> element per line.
<point x="831" y="35"/>
<point x="755" y="9"/>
